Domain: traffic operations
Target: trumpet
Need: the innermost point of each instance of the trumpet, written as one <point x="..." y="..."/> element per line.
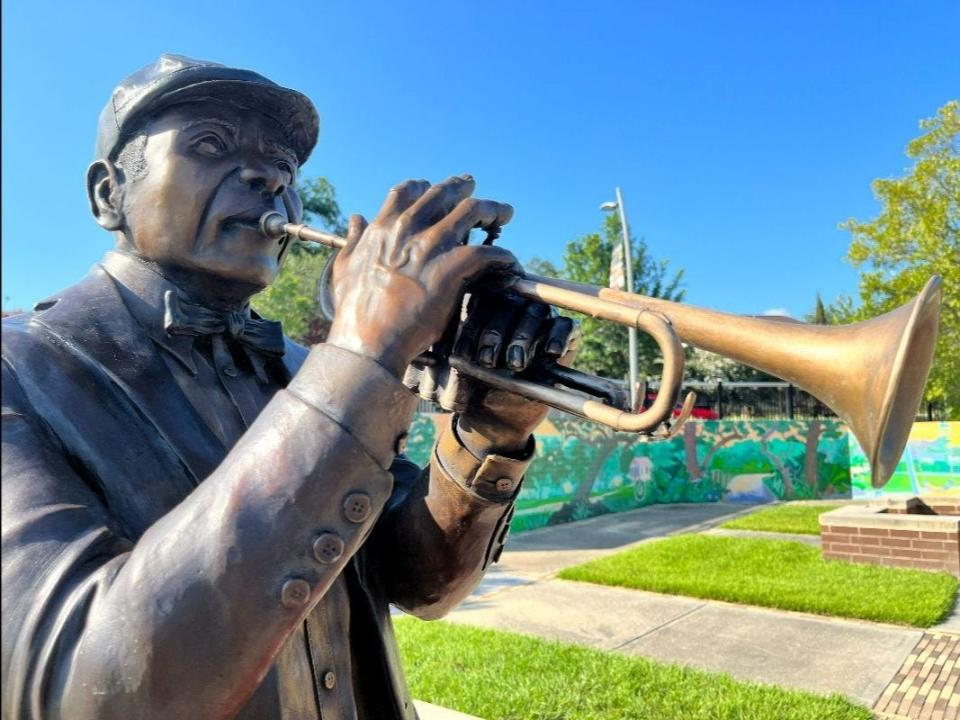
<point x="870" y="373"/>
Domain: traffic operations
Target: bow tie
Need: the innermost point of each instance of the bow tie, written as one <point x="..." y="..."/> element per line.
<point x="258" y="338"/>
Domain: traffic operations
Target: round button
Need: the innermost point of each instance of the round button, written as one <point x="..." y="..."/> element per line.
<point x="356" y="507"/>
<point x="328" y="548"/>
<point x="295" y="593"/>
<point x="329" y="680"/>
<point x="504" y="484"/>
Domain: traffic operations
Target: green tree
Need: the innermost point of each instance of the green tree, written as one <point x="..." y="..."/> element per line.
<point x="836" y="313"/>
<point x="916" y="235"/>
<point x="587" y="260"/>
<point x="842" y="311"/>
<point x="819" y="313"/>
<point x="292" y="298"/>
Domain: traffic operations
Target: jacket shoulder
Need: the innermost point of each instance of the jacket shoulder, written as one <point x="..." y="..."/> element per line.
<point x="33" y="332"/>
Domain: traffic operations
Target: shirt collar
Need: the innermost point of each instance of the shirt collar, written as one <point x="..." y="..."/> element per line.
<point x="142" y="288"/>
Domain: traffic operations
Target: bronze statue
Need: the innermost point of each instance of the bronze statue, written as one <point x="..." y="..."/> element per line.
<point x="202" y="519"/>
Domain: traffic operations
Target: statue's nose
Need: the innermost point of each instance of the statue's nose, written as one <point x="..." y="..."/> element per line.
<point x="264" y="177"/>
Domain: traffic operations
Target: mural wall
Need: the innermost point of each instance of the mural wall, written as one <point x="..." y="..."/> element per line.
<point x="583" y="469"/>
<point x="930" y="464"/>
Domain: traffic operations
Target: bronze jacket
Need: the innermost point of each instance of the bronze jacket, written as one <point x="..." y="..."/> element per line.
<point x="149" y="573"/>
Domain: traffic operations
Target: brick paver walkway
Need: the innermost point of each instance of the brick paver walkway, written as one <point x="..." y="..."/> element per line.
<point x="927" y="687"/>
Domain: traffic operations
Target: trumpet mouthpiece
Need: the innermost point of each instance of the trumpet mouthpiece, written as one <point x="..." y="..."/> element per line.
<point x="271" y="224"/>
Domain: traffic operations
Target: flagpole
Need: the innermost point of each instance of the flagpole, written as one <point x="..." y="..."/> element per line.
<point x="632" y="331"/>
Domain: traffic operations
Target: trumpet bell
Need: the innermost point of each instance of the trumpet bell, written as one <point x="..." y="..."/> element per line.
<point x="883" y="428"/>
<point x="871" y="373"/>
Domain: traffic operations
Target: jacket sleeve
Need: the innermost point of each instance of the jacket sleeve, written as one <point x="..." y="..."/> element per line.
<point x="443" y="526"/>
<point x="186" y="621"/>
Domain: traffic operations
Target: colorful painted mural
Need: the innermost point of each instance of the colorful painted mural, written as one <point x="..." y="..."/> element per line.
<point x="583" y="469"/>
<point x="930" y="464"/>
<point x="421" y="437"/>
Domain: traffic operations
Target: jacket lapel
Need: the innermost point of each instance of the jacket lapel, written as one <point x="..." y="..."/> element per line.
<point x="93" y="319"/>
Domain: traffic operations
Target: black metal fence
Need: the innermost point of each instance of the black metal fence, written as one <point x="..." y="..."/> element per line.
<point x="931" y="412"/>
<point x="739" y="400"/>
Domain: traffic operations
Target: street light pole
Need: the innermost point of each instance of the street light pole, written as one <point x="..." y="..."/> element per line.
<point x="628" y="268"/>
<point x="632" y="331"/>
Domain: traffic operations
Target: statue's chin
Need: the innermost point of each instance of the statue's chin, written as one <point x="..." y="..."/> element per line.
<point x="220" y="288"/>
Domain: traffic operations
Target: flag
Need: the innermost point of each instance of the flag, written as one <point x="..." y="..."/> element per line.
<point x="618" y="272"/>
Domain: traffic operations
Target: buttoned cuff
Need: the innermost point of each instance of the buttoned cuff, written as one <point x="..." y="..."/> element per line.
<point x="493" y="477"/>
<point x="364" y="398"/>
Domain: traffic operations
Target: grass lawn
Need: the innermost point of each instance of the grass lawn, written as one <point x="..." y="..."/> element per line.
<point x="790" y="518"/>
<point x="502" y="676"/>
<point x="775" y="573"/>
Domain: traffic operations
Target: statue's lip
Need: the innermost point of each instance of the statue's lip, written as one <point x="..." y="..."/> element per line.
<point x="248" y="218"/>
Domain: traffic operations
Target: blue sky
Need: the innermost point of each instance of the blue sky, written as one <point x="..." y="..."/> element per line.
<point x="740" y="133"/>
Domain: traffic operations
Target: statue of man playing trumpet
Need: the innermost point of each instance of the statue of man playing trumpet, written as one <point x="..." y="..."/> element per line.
<point x="202" y="519"/>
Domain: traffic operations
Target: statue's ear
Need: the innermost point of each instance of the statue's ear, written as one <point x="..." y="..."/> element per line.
<point x="104" y="193"/>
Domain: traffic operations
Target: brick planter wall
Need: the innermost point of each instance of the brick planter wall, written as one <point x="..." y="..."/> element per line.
<point x="895" y="533"/>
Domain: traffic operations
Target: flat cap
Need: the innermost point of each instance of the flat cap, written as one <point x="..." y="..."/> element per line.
<point x="175" y="79"/>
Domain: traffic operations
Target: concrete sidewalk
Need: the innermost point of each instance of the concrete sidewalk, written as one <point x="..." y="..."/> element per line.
<point x="428" y="711"/>
<point x="858" y="659"/>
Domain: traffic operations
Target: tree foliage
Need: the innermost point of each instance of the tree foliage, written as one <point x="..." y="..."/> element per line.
<point x="292" y="298"/>
<point x="819" y="313"/>
<point x="916" y="235"/>
<point x="587" y="260"/>
<point x="842" y="311"/>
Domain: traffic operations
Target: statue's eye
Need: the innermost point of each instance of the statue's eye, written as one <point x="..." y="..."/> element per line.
<point x="210" y="144"/>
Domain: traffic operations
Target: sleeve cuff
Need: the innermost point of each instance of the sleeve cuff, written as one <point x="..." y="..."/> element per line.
<point x="364" y="398"/>
<point x="493" y="477"/>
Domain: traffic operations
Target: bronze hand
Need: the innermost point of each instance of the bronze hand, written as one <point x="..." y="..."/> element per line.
<point x="397" y="281"/>
<point x="508" y="332"/>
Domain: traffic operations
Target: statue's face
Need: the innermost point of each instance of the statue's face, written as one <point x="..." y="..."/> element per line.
<point x="211" y="171"/>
